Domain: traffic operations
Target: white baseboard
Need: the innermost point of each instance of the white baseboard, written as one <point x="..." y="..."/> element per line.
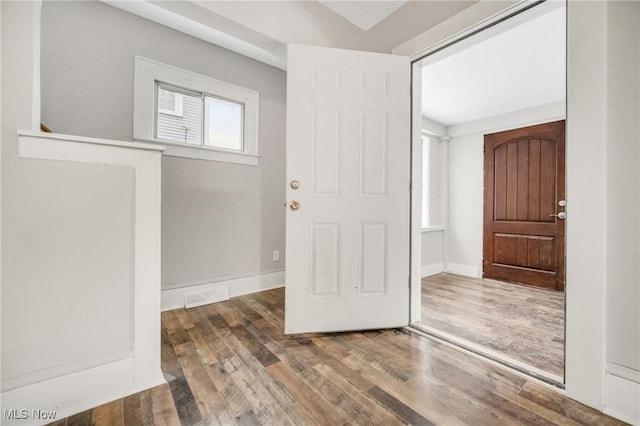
<point x="622" y="394"/>
<point x="433" y="269"/>
<point x="72" y="393"/>
<point x="174" y="298"/>
<point x="466" y="270"/>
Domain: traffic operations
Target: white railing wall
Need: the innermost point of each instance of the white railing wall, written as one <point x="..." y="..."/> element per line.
<point x="83" y="275"/>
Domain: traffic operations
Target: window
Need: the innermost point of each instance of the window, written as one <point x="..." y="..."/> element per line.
<point x="425" y="181"/>
<point x="195" y="116"/>
<point x="169" y="102"/>
<point x="179" y="116"/>
<point x="223" y="123"/>
<point x="432" y="179"/>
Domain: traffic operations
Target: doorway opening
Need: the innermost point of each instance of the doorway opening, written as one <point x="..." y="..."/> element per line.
<point x="489" y="283"/>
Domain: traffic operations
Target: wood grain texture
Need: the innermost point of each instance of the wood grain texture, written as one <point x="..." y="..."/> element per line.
<point x="230" y="363"/>
<point x="524" y="323"/>
<point x="524" y="182"/>
<point x="110" y="414"/>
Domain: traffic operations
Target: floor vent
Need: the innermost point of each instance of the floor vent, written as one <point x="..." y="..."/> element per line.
<point x="218" y="294"/>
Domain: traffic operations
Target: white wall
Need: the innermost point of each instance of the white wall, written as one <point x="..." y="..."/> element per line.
<point x="466" y="181"/>
<point x="70" y="261"/>
<point x="464" y="228"/>
<point x="74" y="237"/>
<point x="622" y="212"/>
<point x="602" y="106"/>
<point x="432" y="252"/>
<point x="83" y="275"/>
<point x="623" y="185"/>
<point x="19" y="71"/>
<point x="586" y="219"/>
<point x="219" y="220"/>
<point x="1" y="138"/>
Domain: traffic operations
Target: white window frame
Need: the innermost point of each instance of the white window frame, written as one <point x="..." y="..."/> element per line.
<point x="148" y="72"/>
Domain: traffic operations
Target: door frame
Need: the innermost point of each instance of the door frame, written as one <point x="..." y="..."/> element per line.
<point x="586" y="116"/>
<point x="472" y="23"/>
<point x="460" y="39"/>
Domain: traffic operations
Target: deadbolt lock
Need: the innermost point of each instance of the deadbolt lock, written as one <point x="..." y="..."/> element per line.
<point x="294" y="184"/>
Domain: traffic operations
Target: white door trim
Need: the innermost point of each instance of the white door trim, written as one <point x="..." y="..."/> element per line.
<point x="415" y="268"/>
<point x="585" y="346"/>
<point x="453" y="31"/>
<point x="586" y="129"/>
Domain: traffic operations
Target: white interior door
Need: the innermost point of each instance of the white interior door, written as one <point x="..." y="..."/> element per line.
<point x="348" y="148"/>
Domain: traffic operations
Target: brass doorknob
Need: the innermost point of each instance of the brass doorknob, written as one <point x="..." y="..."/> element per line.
<point x="294" y="184"/>
<point x="294" y="205"/>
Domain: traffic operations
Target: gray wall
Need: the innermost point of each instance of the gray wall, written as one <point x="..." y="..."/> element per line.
<point x="219" y="220"/>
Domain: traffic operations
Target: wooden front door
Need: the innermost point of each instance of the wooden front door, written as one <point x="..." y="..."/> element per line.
<point x="524" y="205"/>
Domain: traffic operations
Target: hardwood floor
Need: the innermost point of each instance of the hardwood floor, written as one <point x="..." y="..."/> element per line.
<point x="230" y="363"/>
<point x="523" y="323"/>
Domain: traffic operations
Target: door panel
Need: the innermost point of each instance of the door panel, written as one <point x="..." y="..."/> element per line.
<point x="524" y="183"/>
<point x="348" y="147"/>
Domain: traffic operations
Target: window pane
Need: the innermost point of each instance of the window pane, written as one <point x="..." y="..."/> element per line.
<point x="179" y="117"/>
<point x="425" y="181"/>
<point x="169" y="102"/>
<point x="166" y="100"/>
<point x="224" y="122"/>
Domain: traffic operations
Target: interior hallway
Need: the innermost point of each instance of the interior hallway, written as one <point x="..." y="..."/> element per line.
<point x="230" y="363"/>
<point x="524" y="323"/>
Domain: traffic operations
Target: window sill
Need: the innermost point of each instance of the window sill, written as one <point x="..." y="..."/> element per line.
<point x="201" y="153"/>
<point x="432" y="228"/>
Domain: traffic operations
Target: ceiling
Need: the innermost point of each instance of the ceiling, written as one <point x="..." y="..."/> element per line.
<point x="505" y="70"/>
<point x="364" y="14"/>
<point x="261" y="29"/>
<point x="515" y="65"/>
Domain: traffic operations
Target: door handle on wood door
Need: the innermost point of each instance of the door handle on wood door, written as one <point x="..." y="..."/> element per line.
<point x="561" y="215"/>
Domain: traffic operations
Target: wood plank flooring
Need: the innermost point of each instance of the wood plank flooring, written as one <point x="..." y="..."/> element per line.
<point x="523" y="323"/>
<point x="230" y="363"/>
